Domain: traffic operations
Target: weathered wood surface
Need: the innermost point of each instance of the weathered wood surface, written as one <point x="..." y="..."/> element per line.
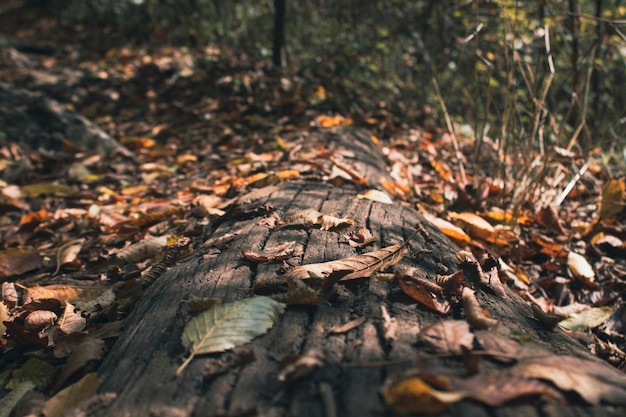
<point x="140" y="368"/>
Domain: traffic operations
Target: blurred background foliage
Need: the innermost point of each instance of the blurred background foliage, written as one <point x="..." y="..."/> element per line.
<point x="528" y="74"/>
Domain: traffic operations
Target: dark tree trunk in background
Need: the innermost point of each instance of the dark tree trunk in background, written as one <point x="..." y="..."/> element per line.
<point x="279" y="55"/>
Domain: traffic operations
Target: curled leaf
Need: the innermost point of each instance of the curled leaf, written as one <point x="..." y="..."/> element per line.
<point x="474" y="312"/>
<point x="414" y="396"/>
<point x="143" y="250"/>
<point x="279" y="252"/>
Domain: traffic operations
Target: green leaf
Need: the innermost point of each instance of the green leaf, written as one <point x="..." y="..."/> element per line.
<point x="34" y="370"/>
<point x="229" y="325"/>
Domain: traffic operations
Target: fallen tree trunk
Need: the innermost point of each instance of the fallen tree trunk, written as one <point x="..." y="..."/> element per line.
<point x="140" y="369"/>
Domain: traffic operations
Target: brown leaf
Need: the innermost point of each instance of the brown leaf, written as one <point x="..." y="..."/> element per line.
<point x="419" y="291"/>
<point x="361" y="238"/>
<point x="413" y="396"/>
<point x="71" y="321"/>
<point x="451" y="284"/>
<point x="547" y="217"/>
<point x="279" y="252"/>
<point x="613" y="198"/>
<point x="16" y="261"/>
<point x="68" y="253"/>
<point x="89" y="351"/>
<point x="140" y="251"/>
<point x="346" y="327"/>
<point x="495" y="342"/>
<point x="447" y="336"/>
<point x="474" y="312"/>
<point x="498" y="388"/>
<point x="298" y="367"/>
<point x="39" y="319"/>
<point x="358" y="266"/>
<point x="312" y="217"/>
<point x="68" y="343"/>
<point x="593" y="381"/>
<point x="60" y="292"/>
<point x="9" y="294"/>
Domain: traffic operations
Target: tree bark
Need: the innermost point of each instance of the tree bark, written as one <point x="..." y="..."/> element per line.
<point x="140" y="369"/>
<point x="279" y="56"/>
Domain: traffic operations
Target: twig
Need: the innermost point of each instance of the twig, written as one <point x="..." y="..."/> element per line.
<point x="457" y="151"/>
<point x="571" y="184"/>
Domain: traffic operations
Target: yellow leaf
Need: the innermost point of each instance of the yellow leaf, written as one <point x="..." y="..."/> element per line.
<point x="229" y="325"/>
<point x="613" y="199"/>
<point x="473" y="224"/>
<point x="414" y="396"/>
<point x="579" y="267"/>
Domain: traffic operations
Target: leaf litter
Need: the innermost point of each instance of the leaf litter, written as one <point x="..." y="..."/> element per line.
<point x="31" y="250"/>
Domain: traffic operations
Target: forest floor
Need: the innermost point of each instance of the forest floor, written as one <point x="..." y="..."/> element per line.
<point x="206" y="124"/>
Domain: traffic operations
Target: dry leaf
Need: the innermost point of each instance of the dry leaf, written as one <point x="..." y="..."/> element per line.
<point x="60" y="292"/>
<point x="353" y="174"/>
<point x="71" y="321"/>
<point x="311" y="217"/>
<point x="4" y="316"/>
<point x="39" y="319"/>
<point x="613" y="198"/>
<point x="143" y="250"/>
<point x="279" y="252"/>
<point x="9" y="294"/>
<point x="88" y="352"/>
<point x="358" y="266"/>
<point x="448" y="229"/>
<point x="588" y="319"/>
<point x="16" y="261"/>
<point x="298" y="367"/>
<point x="447" y="336"/>
<point x="548" y="217"/>
<point x="498" y="388"/>
<point x="474" y="312"/>
<point x="414" y="396"/>
<point x="423" y="291"/>
<point x="474" y="225"/>
<point x="360" y="238"/>
<point x="451" y="284"/>
<point x="229" y="325"/>
<point x="376" y="195"/>
<point x="68" y="253"/>
<point x="579" y="267"/>
<point x="346" y="327"/>
<point x="593" y="381"/>
<point x="71" y="396"/>
<point x="494" y="342"/>
<point x="68" y="343"/>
